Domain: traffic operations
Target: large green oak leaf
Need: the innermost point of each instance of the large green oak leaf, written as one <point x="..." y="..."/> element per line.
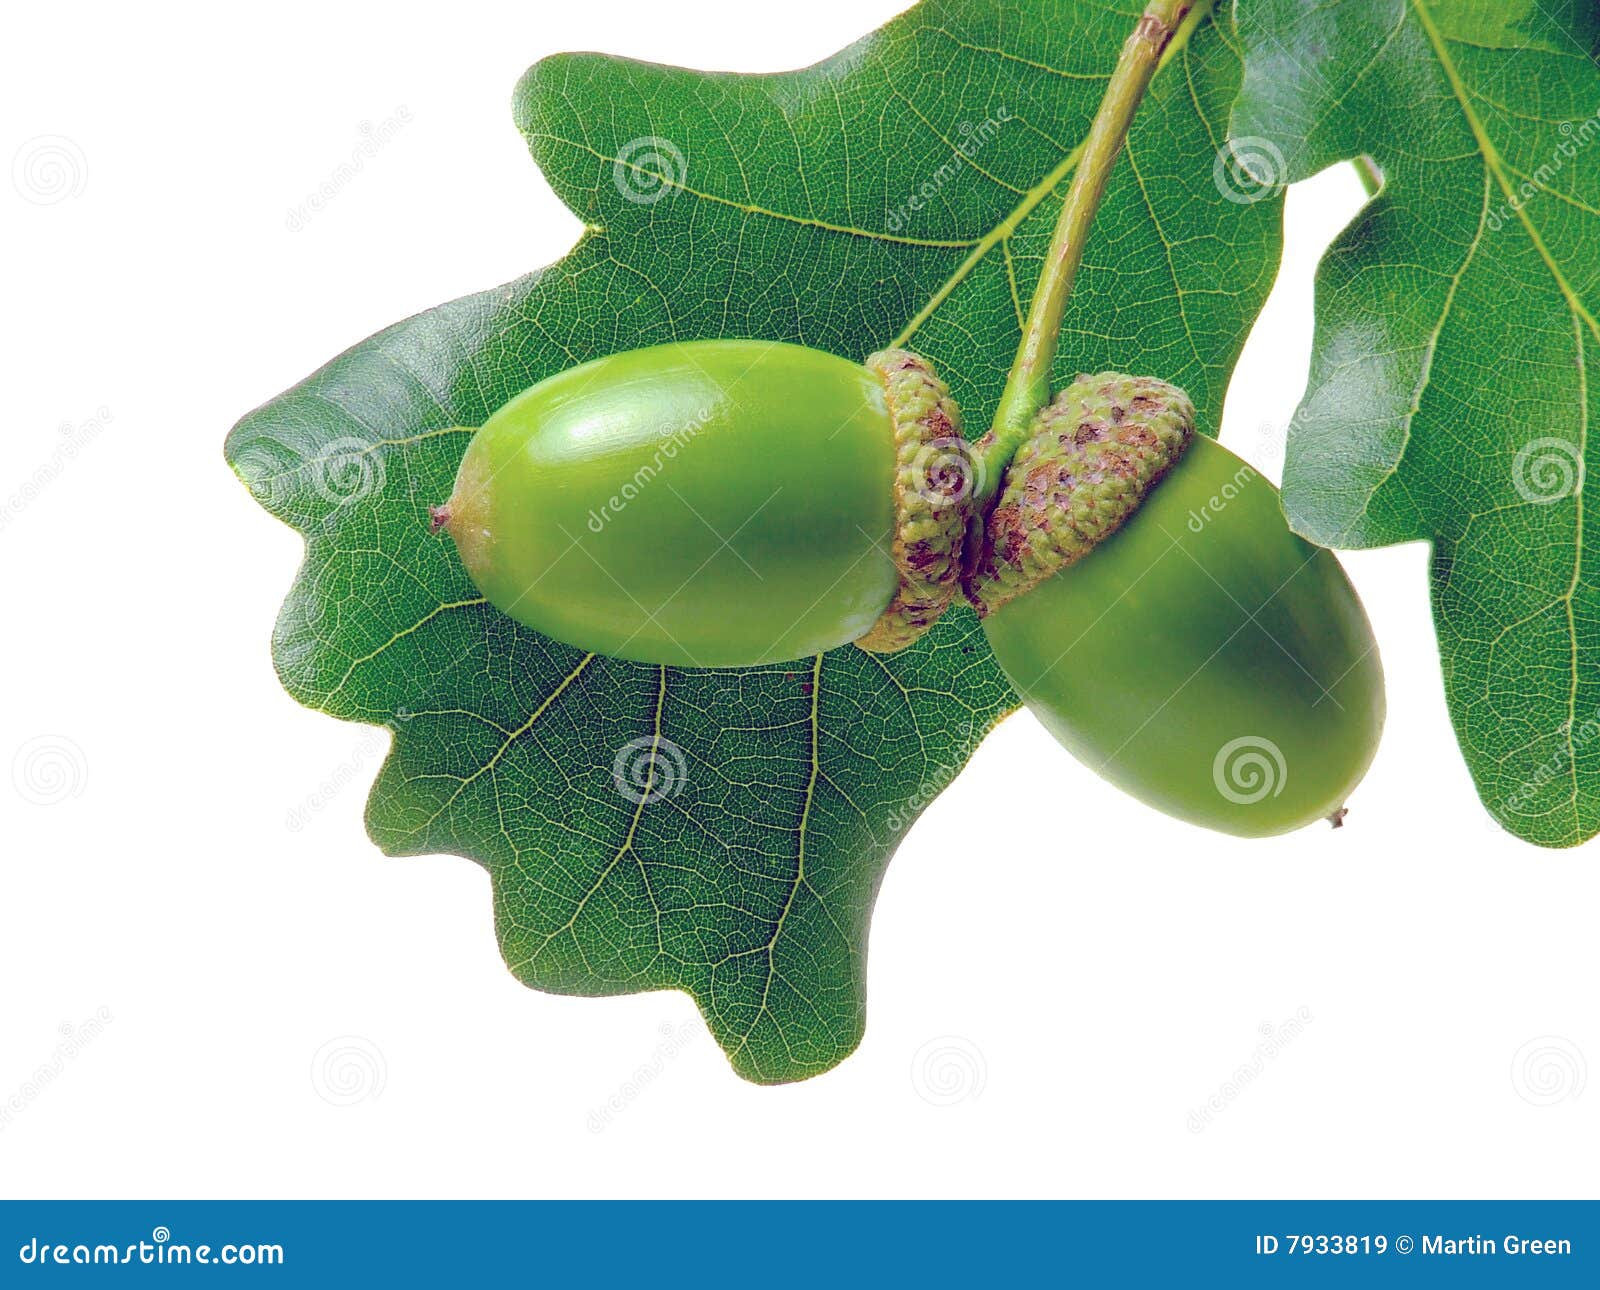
<point x="1452" y="387"/>
<point x="724" y="832"/>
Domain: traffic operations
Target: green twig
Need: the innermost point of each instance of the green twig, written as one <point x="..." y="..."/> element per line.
<point x="1028" y="387"/>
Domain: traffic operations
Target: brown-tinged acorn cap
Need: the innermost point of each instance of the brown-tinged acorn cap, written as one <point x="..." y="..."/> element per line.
<point x="933" y="485"/>
<point x="1095" y="452"/>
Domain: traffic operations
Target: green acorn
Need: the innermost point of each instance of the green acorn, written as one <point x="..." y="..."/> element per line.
<point x="719" y="503"/>
<point x="1142" y="591"/>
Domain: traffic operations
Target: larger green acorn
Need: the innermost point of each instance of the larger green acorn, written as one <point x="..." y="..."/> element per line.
<point x="1145" y="596"/>
<point x="719" y="503"/>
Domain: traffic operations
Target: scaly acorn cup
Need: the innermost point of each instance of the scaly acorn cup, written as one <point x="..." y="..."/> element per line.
<point x="1142" y="590"/>
<point x="719" y="503"/>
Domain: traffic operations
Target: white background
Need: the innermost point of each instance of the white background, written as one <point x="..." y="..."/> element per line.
<point x="1049" y="1008"/>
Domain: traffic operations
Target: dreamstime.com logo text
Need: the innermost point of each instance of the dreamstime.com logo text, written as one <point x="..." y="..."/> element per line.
<point x="372" y="747"/>
<point x="374" y="138"/>
<point x="674" y="1040"/>
<point x="1574" y="735"/>
<point x="1214" y="505"/>
<point x="1274" y="1040"/>
<point x="668" y="449"/>
<point x="74" y="1039"/>
<point x="974" y="139"/>
<point x="160" y="1250"/>
<point x="939" y="777"/>
<point x="1574" y="139"/>
<point x="74" y="439"/>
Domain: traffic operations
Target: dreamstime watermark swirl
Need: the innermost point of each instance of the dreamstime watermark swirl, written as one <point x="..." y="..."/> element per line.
<point x="347" y="470"/>
<point x="49" y="168"/>
<point x="1546" y="470"/>
<point x="949" y="1070"/>
<point x="1549" y="1070"/>
<point x="1248" y="170"/>
<point x="648" y="769"/>
<point x="344" y="470"/>
<point x="946" y="471"/>
<point x="1249" y="769"/>
<point x="649" y="168"/>
<point x="349" y="1070"/>
<point x="49" y="769"/>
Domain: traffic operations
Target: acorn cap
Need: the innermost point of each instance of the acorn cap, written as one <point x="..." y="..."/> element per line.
<point x="1095" y="452"/>
<point x="933" y="486"/>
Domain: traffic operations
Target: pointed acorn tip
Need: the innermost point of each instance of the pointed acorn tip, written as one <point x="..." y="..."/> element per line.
<point x="438" y="518"/>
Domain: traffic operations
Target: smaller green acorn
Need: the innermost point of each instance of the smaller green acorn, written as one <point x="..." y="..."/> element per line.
<point x="1145" y="596"/>
<point x="719" y="503"/>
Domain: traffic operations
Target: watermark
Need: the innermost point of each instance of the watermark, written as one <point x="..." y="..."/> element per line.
<point x="974" y="139"/>
<point x="74" y="1039"/>
<point x="1574" y="735"/>
<point x="75" y="437"/>
<point x="939" y="777"/>
<point x="1274" y="1039"/>
<point x="371" y="747"/>
<point x="49" y="168"/>
<point x="374" y="138"/>
<point x="668" y="449"/>
<point x="260" y="469"/>
<point x="160" y="1250"/>
<point x="949" y="1070"/>
<point x="343" y="471"/>
<point x="349" y="1070"/>
<point x="1249" y="769"/>
<point x="649" y="168"/>
<point x="1546" y="470"/>
<point x="1549" y="1070"/>
<point x="648" y="769"/>
<point x="946" y="471"/>
<point x="674" y="1041"/>
<point x="347" y="470"/>
<point x="1214" y="505"/>
<point x="1248" y="170"/>
<point x="49" y="769"/>
<point x="1574" y="139"/>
